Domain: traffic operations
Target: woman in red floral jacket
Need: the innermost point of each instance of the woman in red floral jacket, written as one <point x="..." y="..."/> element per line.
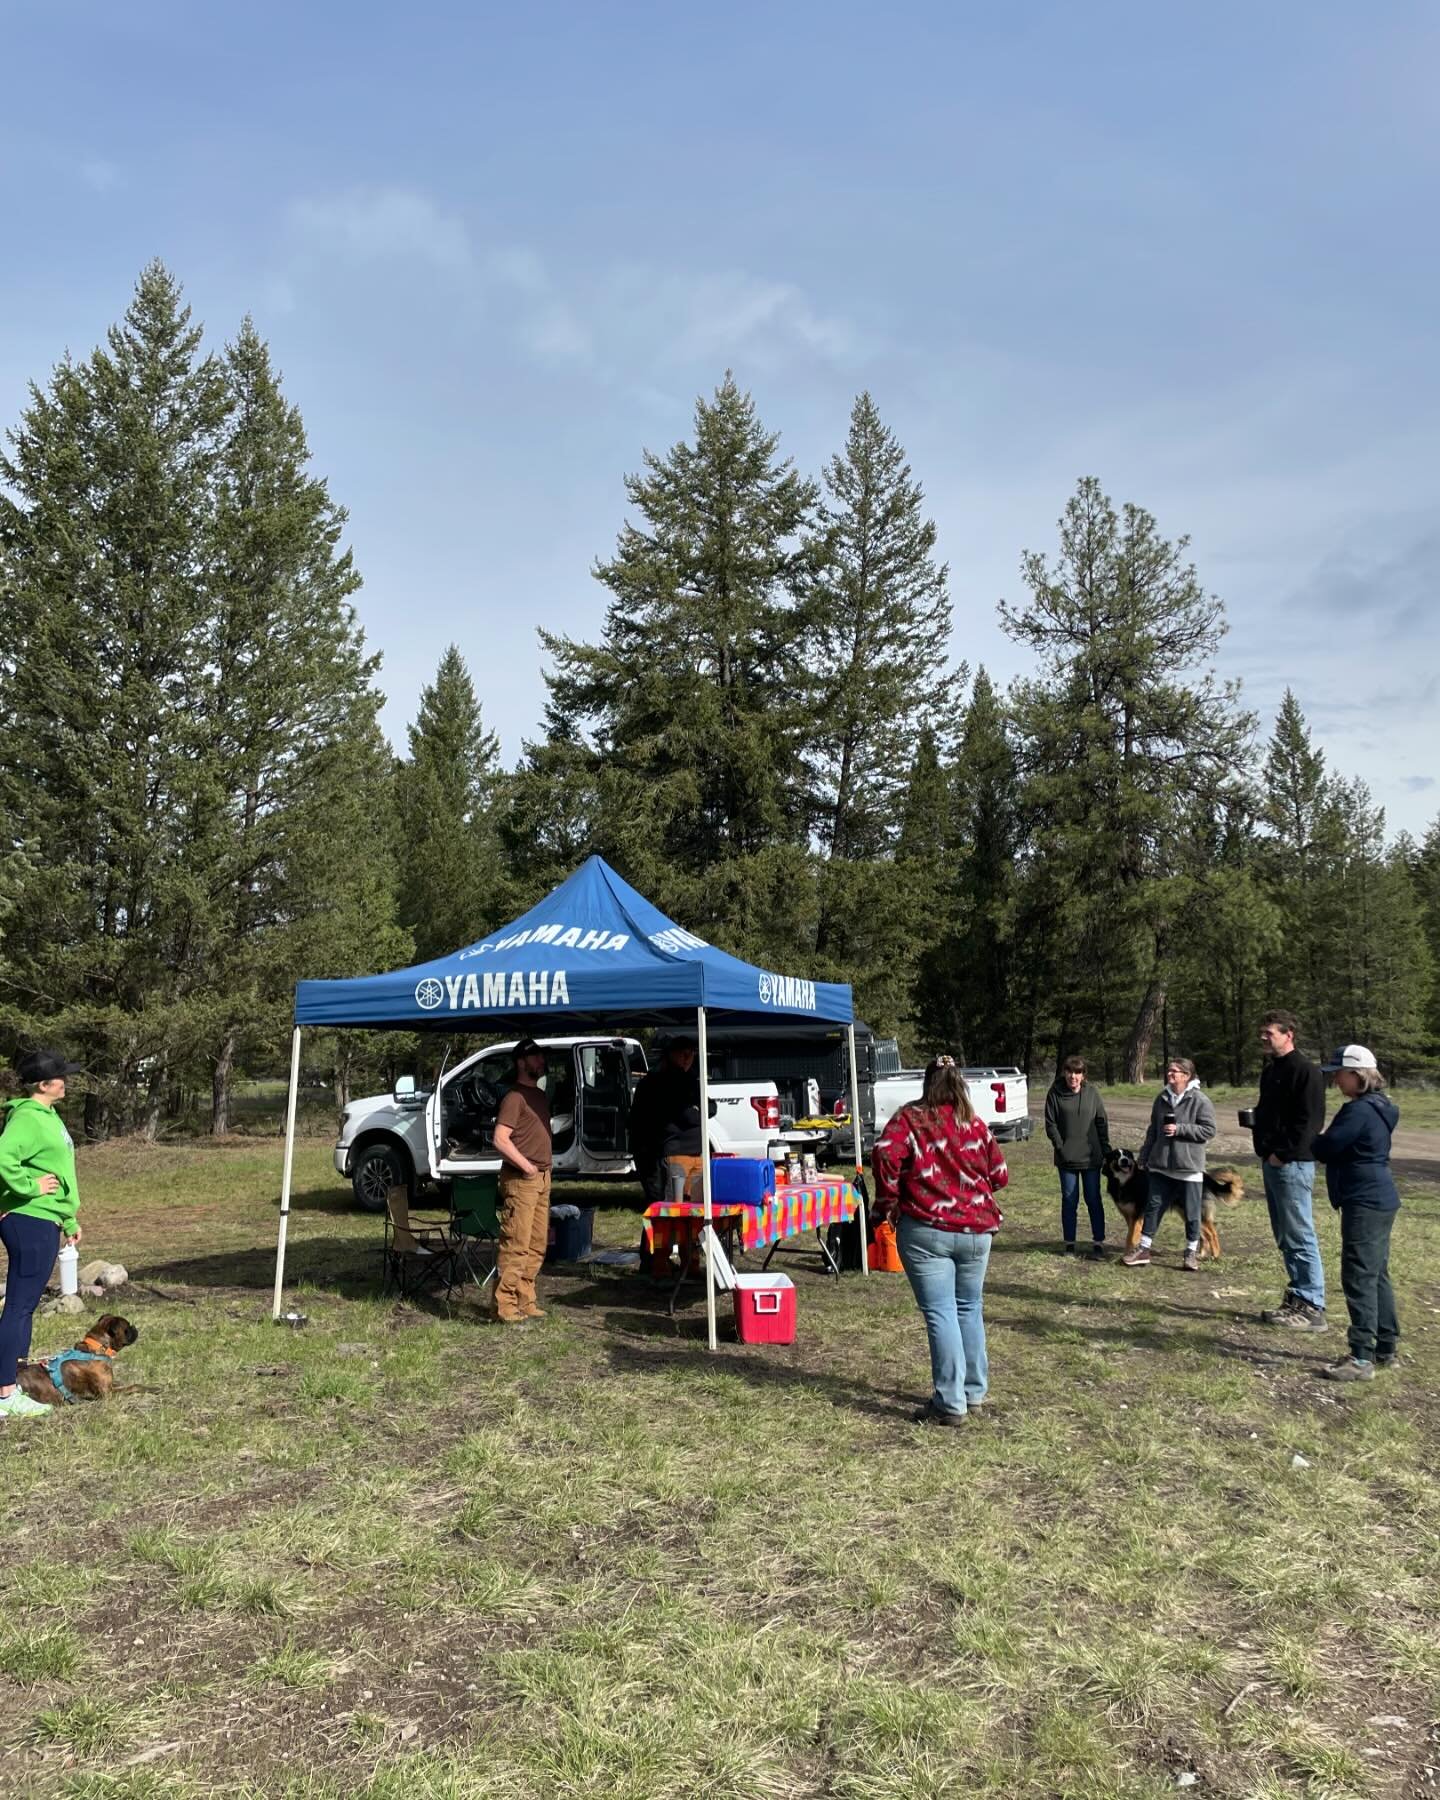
<point x="938" y="1167"/>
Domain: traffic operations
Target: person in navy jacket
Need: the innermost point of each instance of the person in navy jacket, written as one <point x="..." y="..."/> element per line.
<point x="1355" y="1151"/>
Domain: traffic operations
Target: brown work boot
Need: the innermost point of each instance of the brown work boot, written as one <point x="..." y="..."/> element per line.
<point x="532" y="1311"/>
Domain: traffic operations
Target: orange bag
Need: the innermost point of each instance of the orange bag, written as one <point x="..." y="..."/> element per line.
<point x="885" y="1252"/>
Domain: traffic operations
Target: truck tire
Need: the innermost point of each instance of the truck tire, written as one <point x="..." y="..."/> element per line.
<point x="378" y="1168"/>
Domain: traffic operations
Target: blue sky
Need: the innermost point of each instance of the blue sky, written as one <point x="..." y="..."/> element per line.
<point x="498" y="250"/>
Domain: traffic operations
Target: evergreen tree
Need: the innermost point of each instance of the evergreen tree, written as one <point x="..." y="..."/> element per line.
<point x="971" y="986"/>
<point x="293" y="827"/>
<point x="1130" y="745"/>
<point x="686" y="720"/>
<point x="879" y="640"/>
<point x="1425" y="874"/>
<point x="106" y="531"/>
<point x="187" y="723"/>
<point x="451" y="880"/>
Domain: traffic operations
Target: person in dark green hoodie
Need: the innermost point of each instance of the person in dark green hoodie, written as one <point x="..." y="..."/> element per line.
<point x="1076" y="1125"/>
<point x="38" y="1198"/>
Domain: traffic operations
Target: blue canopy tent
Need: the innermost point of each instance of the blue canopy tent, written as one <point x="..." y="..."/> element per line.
<point x="592" y="951"/>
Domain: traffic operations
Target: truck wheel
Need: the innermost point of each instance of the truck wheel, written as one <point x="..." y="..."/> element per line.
<point x="378" y="1168"/>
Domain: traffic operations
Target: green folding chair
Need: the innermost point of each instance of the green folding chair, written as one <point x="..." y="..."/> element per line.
<point x="475" y="1223"/>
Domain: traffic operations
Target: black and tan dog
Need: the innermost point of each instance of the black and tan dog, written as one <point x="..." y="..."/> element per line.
<point x="1129" y="1188"/>
<point x="87" y="1372"/>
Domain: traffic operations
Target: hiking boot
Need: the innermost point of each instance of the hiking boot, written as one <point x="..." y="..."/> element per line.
<point x="1067" y="1249"/>
<point x="19" y="1405"/>
<point x="1192" y="1262"/>
<point x="1302" y="1316"/>
<point x="1280" y="1315"/>
<point x="1099" y="1251"/>
<point x="1387" y="1359"/>
<point x="931" y="1414"/>
<point x="1349" y="1369"/>
<point x="1138" y="1258"/>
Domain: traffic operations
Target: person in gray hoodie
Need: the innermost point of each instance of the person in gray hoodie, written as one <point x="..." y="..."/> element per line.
<point x="1077" y="1127"/>
<point x="1182" y="1123"/>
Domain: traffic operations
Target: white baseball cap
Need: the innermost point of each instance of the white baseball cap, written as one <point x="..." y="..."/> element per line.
<point x="1350" y="1056"/>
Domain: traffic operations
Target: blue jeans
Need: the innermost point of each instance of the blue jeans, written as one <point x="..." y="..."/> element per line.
<point x="31" y="1246"/>
<point x="947" y="1274"/>
<point x="1292" y="1220"/>
<point x="1070" y="1180"/>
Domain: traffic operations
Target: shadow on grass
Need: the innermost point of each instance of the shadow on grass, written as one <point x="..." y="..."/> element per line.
<point x="690" y="1354"/>
<point x="346" y="1266"/>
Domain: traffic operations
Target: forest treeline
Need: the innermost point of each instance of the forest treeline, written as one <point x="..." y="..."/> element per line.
<point x="768" y="736"/>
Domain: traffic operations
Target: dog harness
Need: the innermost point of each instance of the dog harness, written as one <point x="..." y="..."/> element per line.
<point x="56" y="1365"/>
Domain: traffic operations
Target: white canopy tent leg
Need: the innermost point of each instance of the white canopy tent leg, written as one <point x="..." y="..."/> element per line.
<point x="855" y="1133"/>
<point x="286" y="1178"/>
<point x="702" y="1050"/>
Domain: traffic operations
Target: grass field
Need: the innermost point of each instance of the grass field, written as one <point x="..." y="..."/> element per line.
<point x="400" y="1553"/>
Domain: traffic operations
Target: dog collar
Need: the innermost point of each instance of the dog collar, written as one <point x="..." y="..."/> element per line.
<point x="96" y="1348"/>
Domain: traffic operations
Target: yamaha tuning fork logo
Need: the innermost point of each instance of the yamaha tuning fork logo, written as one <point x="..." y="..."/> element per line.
<point x="429" y="993"/>
<point x="787" y="992"/>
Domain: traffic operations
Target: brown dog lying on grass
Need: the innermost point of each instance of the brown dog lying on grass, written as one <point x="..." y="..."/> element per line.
<point x="87" y="1372"/>
<point x="1129" y="1188"/>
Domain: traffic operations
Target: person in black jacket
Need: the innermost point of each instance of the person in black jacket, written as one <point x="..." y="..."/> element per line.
<point x="1077" y="1127"/>
<point x="665" y="1116"/>
<point x="1288" y="1115"/>
<point x="1356" y="1154"/>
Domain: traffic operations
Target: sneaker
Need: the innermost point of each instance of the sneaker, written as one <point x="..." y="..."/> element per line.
<point x="1349" y="1368"/>
<point x="1068" y="1249"/>
<point x="1138" y="1258"/>
<point x="1099" y="1251"/>
<point x="931" y="1414"/>
<point x="1191" y="1262"/>
<point x="19" y="1405"/>
<point x="1390" y="1359"/>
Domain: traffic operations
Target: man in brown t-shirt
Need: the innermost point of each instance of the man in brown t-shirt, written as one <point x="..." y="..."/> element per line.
<point x="522" y="1136"/>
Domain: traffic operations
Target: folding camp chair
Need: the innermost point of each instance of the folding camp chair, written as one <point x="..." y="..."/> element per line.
<point x="420" y="1254"/>
<point x="475" y="1227"/>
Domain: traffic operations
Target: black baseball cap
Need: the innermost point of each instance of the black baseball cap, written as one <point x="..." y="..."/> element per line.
<point x="527" y="1047"/>
<point x="36" y="1066"/>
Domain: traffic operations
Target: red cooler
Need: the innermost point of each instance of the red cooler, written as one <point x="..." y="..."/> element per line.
<point x="765" y="1309"/>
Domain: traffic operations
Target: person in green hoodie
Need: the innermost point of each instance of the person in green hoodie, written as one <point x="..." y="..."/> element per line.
<point x="1076" y="1125"/>
<point x="37" y="1209"/>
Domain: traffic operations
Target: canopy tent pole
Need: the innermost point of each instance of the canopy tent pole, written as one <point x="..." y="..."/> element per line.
<point x="285" y="1179"/>
<point x="703" y="1051"/>
<point x="855" y="1129"/>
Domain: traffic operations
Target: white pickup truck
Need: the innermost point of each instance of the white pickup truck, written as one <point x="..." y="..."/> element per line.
<point x="1001" y="1097"/>
<point x="411" y="1136"/>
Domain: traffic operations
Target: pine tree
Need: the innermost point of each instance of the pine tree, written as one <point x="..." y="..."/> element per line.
<point x="686" y="720"/>
<point x="1130" y="745"/>
<point x="188" y="729"/>
<point x="879" y="640"/>
<point x="1425" y="875"/>
<point x="293" y="830"/>
<point x="106" y="540"/>
<point x="971" y="986"/>
<point x="451" y="880"/>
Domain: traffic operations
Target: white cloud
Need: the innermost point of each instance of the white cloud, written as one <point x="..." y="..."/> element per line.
<point x="624" y="321"/>
<point x="375" y="224"/>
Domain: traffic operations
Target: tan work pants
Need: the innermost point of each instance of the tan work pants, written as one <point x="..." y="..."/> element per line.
<point x="524" y="1233"/>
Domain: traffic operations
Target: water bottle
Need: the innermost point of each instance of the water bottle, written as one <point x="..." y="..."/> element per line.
<point x="69" y="1270"/>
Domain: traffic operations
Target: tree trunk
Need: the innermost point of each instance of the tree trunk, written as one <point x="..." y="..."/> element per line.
<point x="220" y="1087"/>
<point x="1142" y="1032"/>
<point x="154" y="1103"/>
